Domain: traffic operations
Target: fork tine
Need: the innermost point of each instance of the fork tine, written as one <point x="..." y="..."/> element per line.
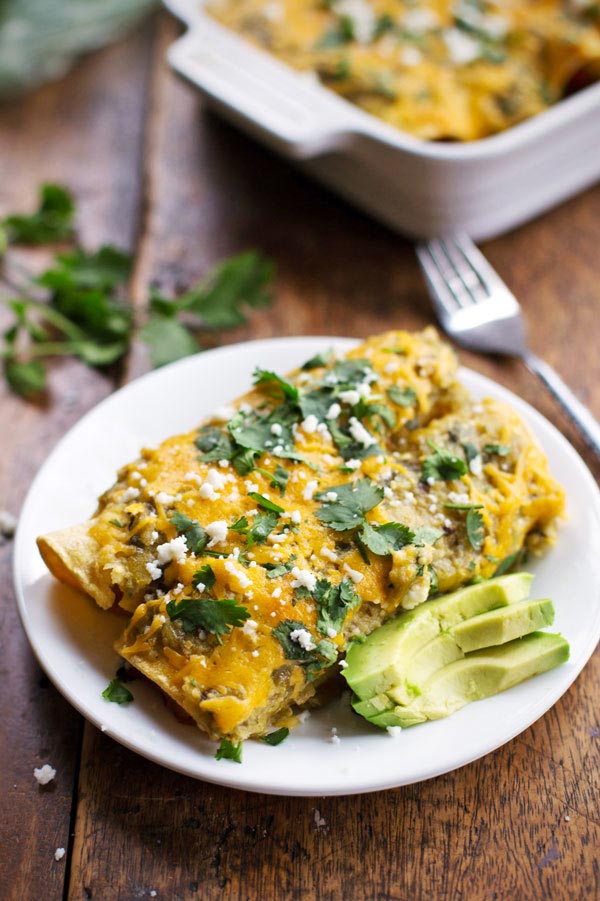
<point x="468" y="274"/>
<point x="450" y="272"/>
<point x="438" y="288"/>
<point x="488" y="276"/>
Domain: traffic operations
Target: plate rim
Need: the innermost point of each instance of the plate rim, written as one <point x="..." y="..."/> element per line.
<point x="241" y="782"/>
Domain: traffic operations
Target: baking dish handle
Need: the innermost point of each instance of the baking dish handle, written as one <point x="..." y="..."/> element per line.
<point x="297" y="118"/>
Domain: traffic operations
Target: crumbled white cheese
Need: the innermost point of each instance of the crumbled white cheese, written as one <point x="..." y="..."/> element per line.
<point x="277" y="539"/>
<point x="242" y="578"/>
<point x="296" y="517"/>
<point x="8" y="524"/>
<point x="334" y="737"/>
<point x="224" y="464"/>
<point x="351" y="397"/>
<point x="303" y="638"/>
<point x="44" y="774"/>
<point x="276" y="593"/>
<point x="175" y="549"/>
<point x="273" y="11"/>
<point x="331" y="632"/>
<point x="59" y="853"/>
<point x="165" y="499"/>
<point x="217" y="531"/>
<point x="362" y="16"/>
<point x="394" y="731"/>
<point x="208" y="493"/>
<point x="223" y="414"/>
<point x="193" y="477"/>
<point x="354" y="574"/>
<point x="394" y="365"/>
<point x="249" y="627"/>
<point x="462" y="48"/>
<point x="310" y="489"/>
<point x="255" y="653"/>
<point x="458" y="498"/>
<point x="476" y="465"/>
<point x="303" y="578"/>
<point x="387" y="492"/>
<point x="130" y="494"/>
<point x="153" y="570"/>
<point x="330" y="496"/>
<point x="333" y="412"/>
<point x="343" y="664"/>
<point x="360" y="433"/>
<point x="329" y="554"/>
<point x="309" y="425"/>
<point x="276" y="429"/>
<point x="251" y="487"/>
<point x="353" y="464"/>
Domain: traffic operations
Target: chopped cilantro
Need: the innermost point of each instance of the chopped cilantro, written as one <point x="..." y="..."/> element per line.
<point x="214" y="443"/>
<point x="471" y="451"/>
<point x="427" y="535"/>
<point x="333" y="603"/>
<point x="509" y="562"/>
<point x="116" y="523"/>
<point x="475" y="528"/>
<point x="350" y="373"/>
<point x="265" y="503"/>
<point x="117" y="692"/>
<point x="317" y="658"/>
<point x="354" y="499"/>
<point x="275" y="738"/>
<point x="463" y="506"/>
<point x="498" y="450"/>
<point x="274" y="570"/>
<point x="243" y="461"/>
<point x="434" y="585"/>
<point x="317" y="403"/>
<point x="442" y="466"/>
<point x="51" y="222"/>
<point x="252" y="430"/>
<point x="266" y="377"/>
<point x="279" y="478"/>
<point x="204" y="575"/>
<point x="403" y="397"/>
<point x="261" y="528"/>
<point x="212" y="616"/>
<point x="383" y="539"/>
<point x="229" y="750"/>
<point x="387" y="416"/>
<point x="195" y="536"/>
<point x="241" y="525"/>
<point x="322" y="359"/>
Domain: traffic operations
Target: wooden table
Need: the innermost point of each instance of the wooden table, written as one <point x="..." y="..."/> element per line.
<point x="155" y="172"/>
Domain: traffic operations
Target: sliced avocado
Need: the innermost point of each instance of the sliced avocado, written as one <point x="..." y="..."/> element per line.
<point x="398" y="716"/>
<point x="489" y="671"/>
<point x="381" y="660"/>
<point x="438" y="652"/>
<point x="502" y="625"/>
<point x="373" y="707"/>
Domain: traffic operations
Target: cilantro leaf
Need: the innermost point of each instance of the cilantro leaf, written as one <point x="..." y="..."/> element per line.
<point x="229" y="750"/>
<point x="104" y="270"/>
<point x="383" y="539"/>
<point x="52" y="221"/>
<point x="279" y="478"/>
<point x="195" y="536"/>
<point x="241" y="525"/>
<point x="25" y="378"/>
<point x="333" y="603"/>
<point x="403" y="397"/>
<point x="434" y="583"/>
<point x="442" y="466"/>
<point x="322" y="359"/>
<point x="252" y="430"/>
<point x="317" y="403"/>
<point x="510" y="561"/>
<point x="427" y="535"/>
<point x="498" y="450"/>
<point x="204" y="575"/>
<point x="471" y="451"/>
<point x="317" y="658"/>
<point x="266" y="377"/>
<point x="475" y="529"/>
<point x="167" y="339"/>
<point x="274" y="570"/>
<point x="239" y="282"/>
<point x="463" y="506"/>
<point x="265" y="503"/>
<point x="117" y="692"/>
<point x="210" y="615"/>
<point x="275" y="738"/>
<point x="350" y="373"/>
<point x="353" y="500"/>
<point x="261" y="528"/>
<point x="214" y="443"/>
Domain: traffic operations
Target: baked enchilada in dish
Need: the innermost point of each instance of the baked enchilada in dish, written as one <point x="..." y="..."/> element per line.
<point x="250" y="551"/>
<point x="439" y="70"/>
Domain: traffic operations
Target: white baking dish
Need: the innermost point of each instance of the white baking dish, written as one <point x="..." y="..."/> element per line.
<point x="483" y="187"/>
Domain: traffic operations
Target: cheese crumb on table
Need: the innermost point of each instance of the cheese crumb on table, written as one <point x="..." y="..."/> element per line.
<point x="59" y="853"/>
<point x="44" y="774"/>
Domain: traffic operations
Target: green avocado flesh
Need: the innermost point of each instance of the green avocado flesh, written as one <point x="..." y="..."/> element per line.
<point x="380" y="662"/>
<point x="429" y="662"/>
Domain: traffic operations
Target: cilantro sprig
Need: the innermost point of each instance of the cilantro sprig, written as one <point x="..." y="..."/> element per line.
<point x="79" y="305"/>
<point x="229" y="750"/>
<point x="117" y="692"/>
<point x="352" y="500"/>
<point x="208" y="614"/>
<point x="316" y="658"/>
<point x="442" y="466"/>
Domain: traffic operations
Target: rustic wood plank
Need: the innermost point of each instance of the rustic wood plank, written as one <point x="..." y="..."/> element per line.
<point x="85" y="131"/>
<point x="495" y="829"/>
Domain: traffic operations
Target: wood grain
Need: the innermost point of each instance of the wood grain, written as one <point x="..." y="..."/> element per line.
<point x="86" y="132"/>
<point x="495" y="829"/>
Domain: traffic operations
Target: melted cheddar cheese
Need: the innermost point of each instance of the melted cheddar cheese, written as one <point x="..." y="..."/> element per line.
<point x="279" y="507"/>
<point x="437" y="69"/>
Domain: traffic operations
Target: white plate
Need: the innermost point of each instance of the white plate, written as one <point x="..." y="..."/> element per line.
<point x="73" y="638"/>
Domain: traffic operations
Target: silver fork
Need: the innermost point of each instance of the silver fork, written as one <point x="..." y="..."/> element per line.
<point x="476" y="308"/>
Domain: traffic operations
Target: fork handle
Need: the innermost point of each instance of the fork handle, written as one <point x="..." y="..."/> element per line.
<point x="578" y="413"/>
